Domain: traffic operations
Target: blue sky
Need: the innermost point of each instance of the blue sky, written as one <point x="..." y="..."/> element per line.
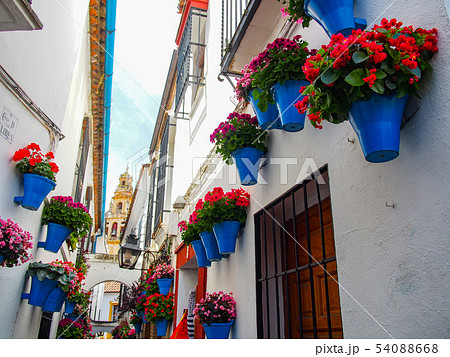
<point x="144" y="42"/>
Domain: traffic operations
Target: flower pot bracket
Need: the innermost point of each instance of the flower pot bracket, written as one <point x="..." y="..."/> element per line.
<point x="25" y="296"/>
<point x="41" y="244"/>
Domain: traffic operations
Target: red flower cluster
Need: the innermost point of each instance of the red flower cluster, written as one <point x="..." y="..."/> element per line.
<point x="371" y="78"/>
<point x="33" y="154"/>
<point x="236" y="196"/>
<point x="158" y="306"/>
<point x="371" y="57"/>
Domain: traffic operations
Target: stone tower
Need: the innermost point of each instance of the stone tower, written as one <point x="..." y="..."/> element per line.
<point x="118" y="211"/>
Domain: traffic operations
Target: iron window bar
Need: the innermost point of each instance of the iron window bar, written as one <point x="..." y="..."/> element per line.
<point x="236" y="17"/>
<point x="185" y="74"/>
<point x="269" y="303"/>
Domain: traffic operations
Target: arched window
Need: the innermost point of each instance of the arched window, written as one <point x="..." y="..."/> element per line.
<point x="114" y="230"/>
<point x="119" y="207"/>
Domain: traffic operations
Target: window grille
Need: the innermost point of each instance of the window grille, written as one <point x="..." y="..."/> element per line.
<point x="150" y="209"/>
<point x="161" y="183"/>
<point x="190" y="61"/>
<point x="83" y="160"/>
<point x="294" y="248"/>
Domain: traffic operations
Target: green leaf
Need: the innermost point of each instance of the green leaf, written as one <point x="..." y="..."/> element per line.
<point x="378" y="86"/>
<point x="330" y="75"/>
<point x="355" y="78"/>
<point x="387" y="68"/>
<point x="308" y="90"/>
<point x="360" y="56"/>
<point x="380" y="74"/>
<point x="401" y="91"/>
<point x="389" y="84"/>
<point x="416" y="71"/>
<point x="383" y="31"/>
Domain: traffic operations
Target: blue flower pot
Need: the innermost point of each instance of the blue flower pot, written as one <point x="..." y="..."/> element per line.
<point x="333" y="15"/>
<point x="164" y="285"/>
<point x="247" y="161"/>
<point x="161" y="327"/>
<point x="35" y="189"/>
<point x="55" y="300"/>
<point x="56" y="235"/>
<point x="70" y="306"/>
<point x="138" y="327"/>
<point x="286" y="95"/>
<point x="226" y="234"/>
<point x="210" y="244"/>
<point x="40" y="290"/>
<point x="267" y="120"/>
<point x="218" y="330"/>
<point x="200" y="253"/>
<point x="377" y="123"/>
<point x="1" y="258"/>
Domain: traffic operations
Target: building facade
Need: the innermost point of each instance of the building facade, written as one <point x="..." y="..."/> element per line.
<point x="118" y="212"/>
<point x="51" y="67"/>
<point x="333" y="246"/>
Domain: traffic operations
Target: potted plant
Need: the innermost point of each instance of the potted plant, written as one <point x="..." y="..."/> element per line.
<point x="367" y="78"/>
<point x="243" y="139"/>
<point x="216" y="312"/>
<point x="77" y="298"/>
<point x="123" y="331"/>
<point x="190" y="235"/>
<point x="65" y="217"/>
<point x="38" y="171"/>
<point x="228" y="211"/>
<point x="14" y="244"/>
<point x="204" y="226"/>
<point x="130" y="296"/>
<point x="59" y="295"/>
<point x="335" y="16"/>
<point x="268" y="118"/>
<point x="148" y="284"/>
<point x="79" y="329"/>
<point x="46" y="277"/>
<point x="279" y="77"/>
<point x="163" y="274"/>
<point x="159" y="310"/>
<point x="68" y="329"/>
<point x="140" y="307"/>
<point x="136" y="321"/>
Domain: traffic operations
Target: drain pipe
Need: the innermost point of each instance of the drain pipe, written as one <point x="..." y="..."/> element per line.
<point x="111" y="10"/>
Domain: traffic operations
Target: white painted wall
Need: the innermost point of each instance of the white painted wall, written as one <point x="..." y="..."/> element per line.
<point x="54" y="72"/>
<point x="392" y="261"/>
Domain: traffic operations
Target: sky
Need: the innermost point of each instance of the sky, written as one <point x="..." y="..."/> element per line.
<point x="144" y="43"/>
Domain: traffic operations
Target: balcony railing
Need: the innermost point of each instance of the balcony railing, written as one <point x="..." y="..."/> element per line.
<point x="236" y="17"/>
<point x="190" y="56"/>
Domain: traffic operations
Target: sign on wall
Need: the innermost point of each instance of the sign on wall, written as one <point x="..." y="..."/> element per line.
<point x="8" y="125"/>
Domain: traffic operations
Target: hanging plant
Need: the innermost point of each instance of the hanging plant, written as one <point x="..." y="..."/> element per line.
<point x="30" y="160"/>
<point x="64" y="211"/>
<point x="14" y="244"/>
<point x="389" y="59"/>
<point x="296" y="12"/>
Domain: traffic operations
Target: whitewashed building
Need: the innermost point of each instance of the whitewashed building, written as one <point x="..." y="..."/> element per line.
<point x="383" y="227"/>
<point x="51" y="64"/>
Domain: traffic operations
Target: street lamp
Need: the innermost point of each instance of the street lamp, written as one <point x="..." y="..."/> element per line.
<point x="129" y="252"/>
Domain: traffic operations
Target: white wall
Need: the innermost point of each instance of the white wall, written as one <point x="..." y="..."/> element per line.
<point x="51" y="69"/>
<point x="392" y="261"/>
